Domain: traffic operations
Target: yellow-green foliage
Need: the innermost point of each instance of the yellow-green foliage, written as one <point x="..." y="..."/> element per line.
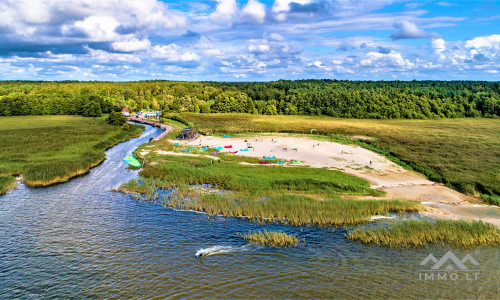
<point x="420" y="233"/>
<point x="271" y="238"/>
<point x="7" y="183"/>
<point x="463" y="153"/>
<point x="51" y="149"/>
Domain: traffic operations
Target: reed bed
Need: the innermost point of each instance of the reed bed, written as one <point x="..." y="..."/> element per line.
<point x="283" y="208"/>
<point x="7" y="183"/>
<point x="421" y="233"/>
<point x="271" y="238"/>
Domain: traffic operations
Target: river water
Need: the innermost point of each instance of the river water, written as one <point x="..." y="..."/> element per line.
<point x="80" y="240"/>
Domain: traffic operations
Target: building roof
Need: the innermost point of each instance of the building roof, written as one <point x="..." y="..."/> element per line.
<point x="126" y="109"/>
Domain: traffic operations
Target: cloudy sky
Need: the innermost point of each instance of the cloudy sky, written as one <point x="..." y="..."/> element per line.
<point x="254" y="40"/>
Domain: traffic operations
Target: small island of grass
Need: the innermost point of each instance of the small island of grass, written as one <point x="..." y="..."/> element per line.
<point x="271" y="238"/>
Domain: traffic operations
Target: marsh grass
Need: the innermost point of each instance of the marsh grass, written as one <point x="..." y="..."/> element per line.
<point x="51" y="149"/>
<point x="421" y="233"/>
<point x="271" y="238"/>
<point x="7" y="183"/>
<point x="461" y="153"/>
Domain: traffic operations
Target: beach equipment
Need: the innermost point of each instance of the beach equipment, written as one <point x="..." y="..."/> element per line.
<point x="204" y="149"/>
<point x="218" y="148"/>
<point x="191" y="148"/>
<point x="185" y="150"/>
<point x="280" y="162"/>
<point x="269" y="157"/>
<point x="294" y="149"/>
<point x="176" y="144"/>
<point x="129" y="159"/>
<point x="214" y="153"/>
<point x="246" y="149"/>
<point x="275" y="142"/>
<point x="228" y="147"/>
<point x="297" y="162"/>
<point x="263" y="162"/>
<point x="227" y="135"/>
<point x="313" y="130"/>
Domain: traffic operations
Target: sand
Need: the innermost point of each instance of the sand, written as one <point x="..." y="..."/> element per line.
<point x="381" y="173"/>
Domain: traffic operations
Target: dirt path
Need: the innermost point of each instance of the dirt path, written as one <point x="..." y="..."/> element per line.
<point x="381" y="173"/>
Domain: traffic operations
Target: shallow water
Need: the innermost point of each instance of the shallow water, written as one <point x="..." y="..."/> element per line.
<point x="78" y="239"/>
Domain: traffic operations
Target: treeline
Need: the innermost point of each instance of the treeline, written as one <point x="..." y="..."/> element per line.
<point x="349" y="99"/>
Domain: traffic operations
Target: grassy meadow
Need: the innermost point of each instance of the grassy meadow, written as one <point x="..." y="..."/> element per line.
<point x="418" y="233"/>
<point x="462" y="153"/>
<point x="51" y="149"/>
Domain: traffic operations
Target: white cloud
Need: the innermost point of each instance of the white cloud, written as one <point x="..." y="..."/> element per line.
<point x="438" y="45"/>
<point x="224" y="11"/>
<point x="260" y="48"/>
<point x="98" y="29"/>
<point x="409" y="30"/>
<point x="173" y="53"/>
<point x="131" y="45"/>
<point x="491" y="41"/>
<point x="254" y="11"/>
<point x="391" y="59"/>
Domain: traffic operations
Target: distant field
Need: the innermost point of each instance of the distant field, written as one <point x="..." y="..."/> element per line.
<point x="463" y="153"/>
<point x="50" y="149"/>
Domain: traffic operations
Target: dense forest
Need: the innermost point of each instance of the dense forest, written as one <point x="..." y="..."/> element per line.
<point x="349" y="99"/>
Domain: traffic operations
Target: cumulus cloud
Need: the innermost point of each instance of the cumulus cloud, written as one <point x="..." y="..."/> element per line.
<point x="258" y="49"/>
<point x="409" y="30"/>
<point x="392" y="59"/>
<point x="490" y="41"/>
<point x="439" y="46"/>
<point x="224" y="11"/>
<point x="173" y="53"/>
<point x="254" y="12"/>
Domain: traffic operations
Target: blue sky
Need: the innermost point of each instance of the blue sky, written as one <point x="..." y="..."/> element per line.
<point x="228" y="40"/>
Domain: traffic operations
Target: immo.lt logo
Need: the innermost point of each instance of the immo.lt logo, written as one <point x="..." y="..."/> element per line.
<point x="449" y="267"/>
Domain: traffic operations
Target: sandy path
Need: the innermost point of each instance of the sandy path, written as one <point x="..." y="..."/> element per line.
<point x="381" y="173"/>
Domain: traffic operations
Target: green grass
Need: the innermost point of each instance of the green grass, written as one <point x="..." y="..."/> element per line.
<point x="7" y="183"/>
<point x="271" y="238"/>
<point x="462" y="153"/>
<point x="51" y="149"/>
<point x="420" y="233"/>
<point x="257" y="180"/>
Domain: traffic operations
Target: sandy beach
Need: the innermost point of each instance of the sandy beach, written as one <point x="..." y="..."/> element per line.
<point x="438" y="200"/>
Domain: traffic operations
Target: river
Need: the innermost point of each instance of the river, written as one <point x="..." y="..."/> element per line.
<point x="81" y="240"/>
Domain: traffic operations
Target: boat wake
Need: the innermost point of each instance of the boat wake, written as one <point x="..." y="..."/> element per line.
<point x="214" y="250"/>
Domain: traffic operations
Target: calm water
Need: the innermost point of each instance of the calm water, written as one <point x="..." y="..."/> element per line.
<point x="78" y="239"/>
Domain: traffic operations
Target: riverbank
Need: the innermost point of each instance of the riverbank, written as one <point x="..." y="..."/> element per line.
<point x="46" y="150"/>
